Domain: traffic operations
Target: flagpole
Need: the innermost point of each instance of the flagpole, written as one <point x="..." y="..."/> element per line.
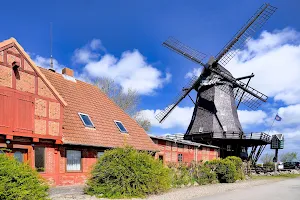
<point x="272" y="123"/>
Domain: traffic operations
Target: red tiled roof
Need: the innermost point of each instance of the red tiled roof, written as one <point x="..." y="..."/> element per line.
<point x="86" y="98"/>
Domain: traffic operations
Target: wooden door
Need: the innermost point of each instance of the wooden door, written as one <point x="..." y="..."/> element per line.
<point x="6" y="111"/>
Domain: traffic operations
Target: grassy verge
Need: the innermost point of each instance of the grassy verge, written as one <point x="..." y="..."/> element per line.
<point x="276" y="176"/>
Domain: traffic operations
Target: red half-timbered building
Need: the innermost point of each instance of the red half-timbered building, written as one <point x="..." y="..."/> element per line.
<point x="58" y="124"/>
<point x="174" y="150"/>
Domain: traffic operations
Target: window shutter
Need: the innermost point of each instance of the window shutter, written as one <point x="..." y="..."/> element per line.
<point x="6" y="107"/>
<point x="24" y="113"/>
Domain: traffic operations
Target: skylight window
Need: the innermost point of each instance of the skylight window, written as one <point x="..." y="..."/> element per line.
<point x="121" y="126"/>
<point x="86" y="120"/>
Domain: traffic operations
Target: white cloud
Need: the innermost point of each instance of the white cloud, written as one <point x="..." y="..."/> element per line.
<point x="290" y="115"/>
<point x="96" y="44"/>
<point x="274" y="58"/>
<point x="251" y="118"/>
<point x="45" y="63"/>
<point x="195" y="72"/>
<point x="180" y="118"/>
<point x="130" y="71"/>
<point x="88" y="53"/>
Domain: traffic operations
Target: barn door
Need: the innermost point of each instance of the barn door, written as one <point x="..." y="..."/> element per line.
<point x="24" y="116"/>
<point x="6" y="111"/>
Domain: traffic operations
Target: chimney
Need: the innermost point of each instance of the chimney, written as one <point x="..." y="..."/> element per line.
<point x="68" y="72"/>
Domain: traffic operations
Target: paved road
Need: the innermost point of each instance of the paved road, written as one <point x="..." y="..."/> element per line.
<point x="282" y="190"/>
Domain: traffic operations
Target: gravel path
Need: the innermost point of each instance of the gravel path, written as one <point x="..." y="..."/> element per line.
<point x="287" y="189"/>
<point x="76" y="192"/>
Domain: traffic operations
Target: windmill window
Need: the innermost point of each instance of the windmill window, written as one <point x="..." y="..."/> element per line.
<point x="86" y="120"/>
<point x="120" y="126"/>
<point x="200" y="129"/>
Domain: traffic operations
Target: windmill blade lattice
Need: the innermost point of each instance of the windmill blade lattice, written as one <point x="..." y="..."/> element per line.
<point x="247" y="99"/>
<point x="184" y="50"/>
<point x="242" y="94"/>
<point x="245" y="33"/>
<point x="178" y="98"/>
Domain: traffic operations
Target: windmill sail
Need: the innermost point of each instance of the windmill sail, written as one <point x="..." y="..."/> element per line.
<point x="184" y="50"/>
<point x="189" y="86"/>
<point x="246" y="94"/>
<point x="245" y="33"/>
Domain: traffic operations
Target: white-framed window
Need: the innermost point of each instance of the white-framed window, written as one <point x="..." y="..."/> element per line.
<point x="86" y="120"/>
<point x="200" y="129"/>
<point x="228" y="147"/>
<point x="120" y="126"/>
<point x="180" y="157"/>
<point x="73" y="160"/>
<point x="100" y="153"/>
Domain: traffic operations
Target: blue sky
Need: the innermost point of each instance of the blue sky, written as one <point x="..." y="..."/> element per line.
<point x="115" y="38"/>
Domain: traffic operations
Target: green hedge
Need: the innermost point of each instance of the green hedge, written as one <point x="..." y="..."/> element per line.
<point x="181" y="175"/>
<point x="204" y="175"/>
<point x="18" y="181"/>
<point x="127" y="173"/>
<point x="238" y="166"/>
<point x="225" y="170"/>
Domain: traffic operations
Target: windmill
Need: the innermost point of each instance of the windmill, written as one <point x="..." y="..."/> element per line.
<point x="215" y="119"/>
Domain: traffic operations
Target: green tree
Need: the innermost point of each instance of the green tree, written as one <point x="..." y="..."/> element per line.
<point x="289" y="156"/>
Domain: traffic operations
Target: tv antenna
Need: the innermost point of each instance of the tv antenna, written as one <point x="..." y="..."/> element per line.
<point x="51" y="57"/>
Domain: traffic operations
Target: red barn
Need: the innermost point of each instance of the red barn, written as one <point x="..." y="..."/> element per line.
<point x="174" y="150"/>
<point x="58" y="124"/>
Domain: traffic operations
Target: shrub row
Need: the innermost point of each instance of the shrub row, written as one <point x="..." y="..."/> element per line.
<point x="127" y="173"/>
<point x="221" y="170"/>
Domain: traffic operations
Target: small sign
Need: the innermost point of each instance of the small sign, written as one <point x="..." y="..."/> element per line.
<point x="277" y="141"/>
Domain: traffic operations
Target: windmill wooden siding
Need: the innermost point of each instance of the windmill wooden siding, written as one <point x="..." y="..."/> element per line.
<point x="38" y="112"/>
<point x="169" y="150"/>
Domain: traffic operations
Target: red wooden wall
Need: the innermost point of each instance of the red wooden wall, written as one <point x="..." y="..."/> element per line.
<point x="170" y="150"/>
<point x="28" y="107"/>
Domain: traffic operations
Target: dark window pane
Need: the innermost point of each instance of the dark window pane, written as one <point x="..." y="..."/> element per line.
<point x="121" y="127"/>
<point x="86" y="120"/>
<point x="39" y="158"/>
<point x="18" y="156"/>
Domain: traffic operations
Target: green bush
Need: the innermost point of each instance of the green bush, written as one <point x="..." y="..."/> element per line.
<point x="18" y="181"/>
<point x="181" y="174"/>
<point x="204" y="175"/>
<point x="224" y="169"/>
<point x="238" y="166"/>
<point x="126" y="173"/>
